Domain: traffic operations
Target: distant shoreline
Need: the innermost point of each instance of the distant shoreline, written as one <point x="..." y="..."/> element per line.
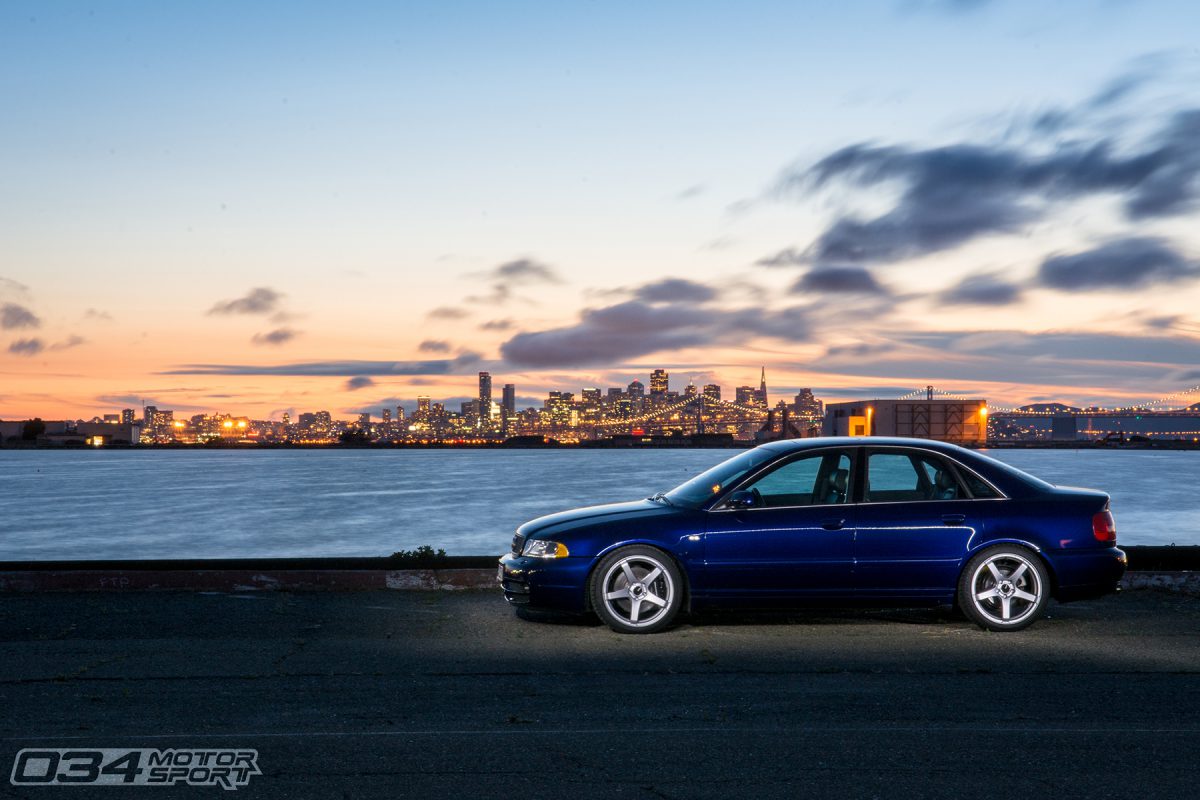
<point x="665" y="444"/>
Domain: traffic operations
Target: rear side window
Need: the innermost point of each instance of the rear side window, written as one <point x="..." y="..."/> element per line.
<point x="978" y="487"/>
<point x="898" y="477"/>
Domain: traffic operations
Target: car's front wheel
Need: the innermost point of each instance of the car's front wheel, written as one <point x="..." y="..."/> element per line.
<point x="1004" y="588"/>
<point x="636" y="589"/>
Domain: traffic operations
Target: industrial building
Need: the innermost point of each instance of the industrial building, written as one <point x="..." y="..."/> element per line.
<point x="959" y="421"/>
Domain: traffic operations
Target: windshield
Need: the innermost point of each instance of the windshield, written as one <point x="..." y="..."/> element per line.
<point x="710" y="482"/>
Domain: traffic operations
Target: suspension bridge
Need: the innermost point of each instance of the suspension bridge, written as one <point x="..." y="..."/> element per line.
<point x="1174" y="403"/>
<point x="701" y="413"/>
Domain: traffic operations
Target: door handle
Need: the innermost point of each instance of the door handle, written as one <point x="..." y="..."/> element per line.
<point x="954" y="519"/>
<point x="832" y="524"/>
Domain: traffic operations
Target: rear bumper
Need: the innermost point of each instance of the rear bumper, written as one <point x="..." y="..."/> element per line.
<point x="558" y="584"/>
<point x="1083" y="574"/>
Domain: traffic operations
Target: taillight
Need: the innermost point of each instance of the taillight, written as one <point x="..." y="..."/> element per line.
<point x="1104" y="527"/>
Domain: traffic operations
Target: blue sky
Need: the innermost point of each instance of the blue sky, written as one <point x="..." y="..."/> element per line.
<point x="372" y="163"/>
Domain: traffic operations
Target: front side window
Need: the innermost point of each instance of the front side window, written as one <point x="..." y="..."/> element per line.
<point x="822" y="479"/>
<point x="710" y="482"/>
<point x="894" y="477"/>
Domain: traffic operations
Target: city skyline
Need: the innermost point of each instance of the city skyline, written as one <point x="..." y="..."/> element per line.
<point x="277" y="210"/>
<point x="598" y="413"/>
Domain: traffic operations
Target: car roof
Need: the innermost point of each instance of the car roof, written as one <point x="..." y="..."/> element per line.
<point x="1009" y="479"/>
<point x="788" y="445"/>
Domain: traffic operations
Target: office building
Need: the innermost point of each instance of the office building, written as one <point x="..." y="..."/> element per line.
<point x="947" y="420"/>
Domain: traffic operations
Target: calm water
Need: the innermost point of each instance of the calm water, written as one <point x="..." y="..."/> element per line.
<point x="179" y="504"/>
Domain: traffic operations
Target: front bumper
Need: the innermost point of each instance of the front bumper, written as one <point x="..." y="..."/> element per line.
<point x="552" y="583"/>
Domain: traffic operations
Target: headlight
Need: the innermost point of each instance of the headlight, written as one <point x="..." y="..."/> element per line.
<point x="540" y="548"/>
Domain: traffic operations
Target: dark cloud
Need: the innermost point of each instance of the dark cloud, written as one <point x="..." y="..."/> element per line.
<point x="505" y="277"/>
<point x="524" y="270"/>
<point x="262" y="300"/>
<point x="66" y="344"/>
<point x="859" y="350"/>
<point x="359" y="382"/>
<point x="333" y="369"/>
<point x="1117" y="92"/>
<point x="675" y="290"/>
<point x="837" y="280"/>
<point x="1107" y="347"/>
<point x="635" y="328"/>
<point x="691" y="191"/>
<point x="276" y="337"/>
<point x="95" y="313"/>
<point x="27" y="347"/>
<point x="1032" y="359"/>
<point x="1131" y="263"/>
<point x="14" y="317"/>
<point x="1163" y="321"/>
<point x="467" y="358"/>
<point x="434" y="346"/>
<point x="497" y="325"/>
<point x="788" y="257"/>
<point x="128" y="400"/>
<point x="860" y="392"/>
<point x="499" y="295"/>
<point x="447" y="312"/>
<point x="953" y="194"/>
<point x="984" y="289"/>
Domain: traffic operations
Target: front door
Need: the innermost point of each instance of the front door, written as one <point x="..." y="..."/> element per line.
<point x="792" y="535"/>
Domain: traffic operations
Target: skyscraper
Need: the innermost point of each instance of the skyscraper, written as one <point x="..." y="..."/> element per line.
<point x="637" y="394"/>
<point x="508" y="407"/>
<point x="712" y="391"/>
<point x="761" y="395"/>
<point x="386" y="416"/>
<point x="485" y="399"/>
<point x="808" y="407"/>
<point x="658" y="384"/>
<point x="508" y="399"/>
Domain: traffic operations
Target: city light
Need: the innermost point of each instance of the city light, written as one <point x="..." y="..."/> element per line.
<point x="632" y="416"/>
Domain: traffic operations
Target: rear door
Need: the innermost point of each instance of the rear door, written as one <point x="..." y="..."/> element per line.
<point x="798" y="538"/>
<point x="915" y="523"/>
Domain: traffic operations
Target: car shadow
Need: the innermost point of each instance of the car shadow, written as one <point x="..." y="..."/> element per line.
<point x="760" y="617"/>
<point x="822" y="617"/>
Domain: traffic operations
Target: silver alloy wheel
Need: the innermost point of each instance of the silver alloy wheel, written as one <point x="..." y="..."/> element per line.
<point x="638" y="590"/>
<point x="1006" y="588"/>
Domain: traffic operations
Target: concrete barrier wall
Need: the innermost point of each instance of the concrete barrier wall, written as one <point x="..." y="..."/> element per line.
<point x="342" y="580"/>
<point x="115" y="580"/>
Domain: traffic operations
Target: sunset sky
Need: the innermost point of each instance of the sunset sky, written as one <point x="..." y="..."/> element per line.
<point x="257" y="208"/>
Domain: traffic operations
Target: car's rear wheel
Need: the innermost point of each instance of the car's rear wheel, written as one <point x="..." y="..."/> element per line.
<point x="1004" y="588"/>
<point x="636" y="589"/>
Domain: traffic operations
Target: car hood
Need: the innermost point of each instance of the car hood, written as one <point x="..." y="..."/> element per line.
<point x="580" y="517"/>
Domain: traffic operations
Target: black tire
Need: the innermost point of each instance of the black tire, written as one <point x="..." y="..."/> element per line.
<point x="1004" y="588"/>
<point x="661" y="595"/>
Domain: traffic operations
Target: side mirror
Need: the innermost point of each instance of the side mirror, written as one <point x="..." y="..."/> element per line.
<point x="742" y="498"/>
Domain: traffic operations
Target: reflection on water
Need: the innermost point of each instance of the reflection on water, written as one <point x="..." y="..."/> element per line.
<point x="232" y="503"/>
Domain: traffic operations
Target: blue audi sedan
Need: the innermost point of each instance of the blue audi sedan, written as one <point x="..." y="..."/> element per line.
<point x="835" y="521"/>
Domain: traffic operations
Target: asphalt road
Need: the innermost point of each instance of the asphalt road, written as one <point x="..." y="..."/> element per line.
<point x="407" y="694"/>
